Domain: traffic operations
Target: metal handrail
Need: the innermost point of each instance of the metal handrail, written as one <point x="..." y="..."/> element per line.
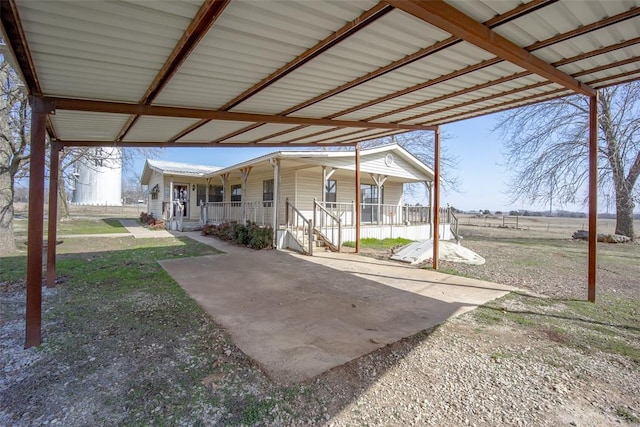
<point x="297" y="223"/>
<point x="325" y="225"/>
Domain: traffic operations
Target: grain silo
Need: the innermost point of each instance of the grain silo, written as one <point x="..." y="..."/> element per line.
<point x="98" y="178"/>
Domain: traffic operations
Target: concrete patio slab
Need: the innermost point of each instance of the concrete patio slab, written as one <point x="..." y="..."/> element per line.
<point x="299" y="316"/>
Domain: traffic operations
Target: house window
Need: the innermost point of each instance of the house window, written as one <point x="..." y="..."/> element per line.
<point x="236" y="193"/>
<point x="267" y="190"/>
<point x="330" y="191"/>
<point x="201" y="194"/>
<point x="154" y="196"/>
<point x="216" y="193"/>
<point x="369" y="197"/>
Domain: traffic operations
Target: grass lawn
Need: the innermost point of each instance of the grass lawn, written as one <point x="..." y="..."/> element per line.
<point x="372" y="243"/>
<point x="76" y="226"/>
<point x="123" y="344"/>
<point x="132" y="346"/>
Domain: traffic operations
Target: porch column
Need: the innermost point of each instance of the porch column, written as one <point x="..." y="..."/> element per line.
<point x="379" y="180"/>
<point x="54" y="172"/>
<point x="171" y="199"/>
<point x="33" y="318"/>
<point x="225" y="196"/>
<point x="276" y="194"/>
<point x="430" y="188"/>
<point x="436" y="197"/>
<point x="326" y="175"/>
<point x="357" y="202"/>
<point x="245" y="175"/>
<point x="593" y="196"/>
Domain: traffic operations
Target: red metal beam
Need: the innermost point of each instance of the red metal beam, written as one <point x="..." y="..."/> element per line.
<point x="17" y="43"/>
<point x="456" y="117"/>
<point x="197" y="29"/>
<point x="450" y="19"/>
<point x="54" y="172"/>
<point x="167" y="144"/>
<point x="593" y="196"/>
<point x="422" y="53"/>
<point x="194" y="113"/>
<point x="33" y="326"/>
<point x="631" y="13"/>
<point x="338" y="36"/>
<point x="464" y="91"/>
<point x="436" y="198"/>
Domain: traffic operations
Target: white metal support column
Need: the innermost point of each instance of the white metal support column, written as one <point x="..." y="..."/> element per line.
<point x="171" y="199"/>
<point x="245" y="175"/>
<point x="379" y="181"/>
<point x="276" y="194"/>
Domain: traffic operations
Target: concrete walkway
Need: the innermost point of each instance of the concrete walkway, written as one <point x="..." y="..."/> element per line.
<point x="140" y="232"/>
<point x="299" y="316"/>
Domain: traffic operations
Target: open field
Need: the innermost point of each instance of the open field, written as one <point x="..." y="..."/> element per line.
<point x="125" y="345"/>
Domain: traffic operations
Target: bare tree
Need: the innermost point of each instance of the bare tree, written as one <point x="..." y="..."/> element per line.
<point x="14" y="148"/>
<point x="421" y="144"/>
<point x="15" y="118"/>
<point x="547" y="148"/>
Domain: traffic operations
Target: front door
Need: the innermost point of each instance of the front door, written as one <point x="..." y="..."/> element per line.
<point x="181" y="194"/>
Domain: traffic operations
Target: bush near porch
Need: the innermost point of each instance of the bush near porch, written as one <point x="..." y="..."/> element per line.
<point x="251" y="234"/>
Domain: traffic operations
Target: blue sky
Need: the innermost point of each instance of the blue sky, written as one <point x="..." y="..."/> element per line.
<point x="482" y="175"/>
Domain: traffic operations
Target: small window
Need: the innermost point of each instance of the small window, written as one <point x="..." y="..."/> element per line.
<point x="154" y="196"/>
<point x="330" y="191"/>
<point x="216" y="193"/>
<point x="236" y="193"/>
<point x="267" y="190"/>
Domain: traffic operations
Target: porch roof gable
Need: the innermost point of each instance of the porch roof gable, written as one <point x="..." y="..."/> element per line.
<point x="165" y="167"/>
<point x="336" y="158"/>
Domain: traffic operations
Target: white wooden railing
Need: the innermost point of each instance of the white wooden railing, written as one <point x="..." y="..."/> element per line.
<point x="260" y="213"/>
<point x="380" y="214"/>
<point x="327" y="225"/>
<point x="299" y="227"/>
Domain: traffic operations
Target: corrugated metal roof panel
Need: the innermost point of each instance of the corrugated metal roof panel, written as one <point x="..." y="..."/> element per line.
<point x="157" y="128"/>
<point x="261" y="132"/>
<point x="213" y="130"/>
<point x="250" y="41"/>
<point x="483" y="10"/>
<point x="94" y="41"/>
<point x="77" y="125"/>
<point x="345" y="62"/>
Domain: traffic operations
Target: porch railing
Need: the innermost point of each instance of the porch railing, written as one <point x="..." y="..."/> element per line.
<point x="328" y="226"/>
<point x="379" y="214"/>
<point x="260" y="213"/>
<point x="299" y="227"/>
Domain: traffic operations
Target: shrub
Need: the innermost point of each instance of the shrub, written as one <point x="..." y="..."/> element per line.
<point x="158" y="224"/>
<point x="251" y="235"/>
<point x="146" y="217"/>
<point x="260" y="237"/>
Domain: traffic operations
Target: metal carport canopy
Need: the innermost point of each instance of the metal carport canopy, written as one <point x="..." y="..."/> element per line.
<point x="300" y="73"/>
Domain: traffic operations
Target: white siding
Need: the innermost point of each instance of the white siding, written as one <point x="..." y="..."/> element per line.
<point x="287" y="190"/>
<point x="155" y="206"/>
